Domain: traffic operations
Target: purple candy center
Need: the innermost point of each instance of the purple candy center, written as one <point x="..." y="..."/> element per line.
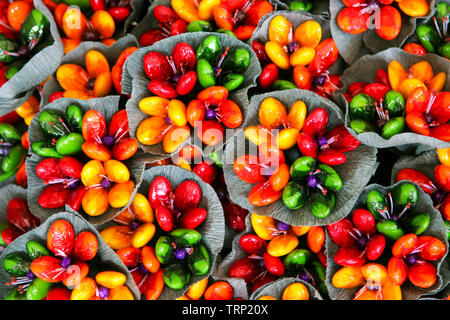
<point x="65" y="262"/>
<point x="282" y="226"/>
<point x="438" y="196"/>
<point x="31" y="275"/>
<point x="362" y="241"/>
<point x="210" y="114"/>
<point x="108" y="140"/>
<point x="322" y="141"/>
<point x="312" y="181"/>
<point x="319" y="81"/>
<point x="134" y="225"/>
<point x="143" y="269"/>
<point x="180" y="254"/>
<point x="411" y="258"/>
<point x="106" y="183"/>
<point x="103" y="292"/>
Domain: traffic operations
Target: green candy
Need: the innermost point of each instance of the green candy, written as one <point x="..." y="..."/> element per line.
<point x="304" y="6"/>
<point x="447" y="228"/>
<point x="45" y="149"/>
<point x="36" y="250"/>
<point x="442" y="10"/>
<point x="390" y="229"/>
<point x="210" y="49"/>
<point x="186" y="237"/>
<point x="322" y="205"/>
<point x="417" y="223"/>
<point x="405" y="194"/>
<point x="14" y="294"/>
<point x="164" y="249"/>
<point x="50" y="124"/>
<point x="227" y="32"/>
<point x="232" y="81"/>
<point x="237" y="60"/>
<point x="35" y="26"/>
<point x="294" y="195"/>
<point x="205" y="73"/>
<point x="14" y="159"/>
<point x="361" y="126"/>
<point x="394" y="103"/>
<point x="13" y="68"/>
<point x="83" y="4"/>
<point x="444" y="50"/>
<point x="428" y="37"/>
<point x="74" y="117"/>
<point x="302" y="167"/>
<point x="375" y="201"/>
<point x="297" y="258"/>
<point x="17" y="264"/>
<point x="199" y="25"/>
<point x="199" y="262"/>
<point x="362" y="107"/>
<point x="176" y="276"/>
<point x="7" y="45"/>
<point x="6" y="175"/>
<point x="329" y="177"/>
<point x="38" y="289"/>
<point x="2" y="242"/>
<point x="69" y="144"/>
<point x="392" y="127"/>
<point x="9" y="133"/>
<point x="283" y="85"/>
<point x="216" y="157"/>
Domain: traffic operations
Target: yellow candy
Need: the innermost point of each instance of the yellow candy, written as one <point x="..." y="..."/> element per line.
<point x="151" y="131"/>
<point x="197" y="290"/>
<point x="438" y="82"/>
<point x="186" y="9"/>
<point x="120" y="293"/>
<point x="176" y="110"/>
<point x="257" y="135"/>
<point x="154" y="106"/>
<point x="414" y="8"/>
<point x="103" y="23"/>
<point x="142" y="209"/>
<point x="103" y="84"/>
<point x="302" y="56"/>
<point x="116" y="171"/>
<point x="348" y="278"/>
<point x="182" y="163"/>
<point x="96" y="63"/>
<point x="143" y="235"/>
<point x="277" y="55"/>
<point x="391" y="292"/>
<point x="396" y="74"/>
<point x="175" y="137"/>
<point x="85" y="290"/>
<point x="72" y="77"/>
<point x="117" y="237"/>
<point x="95" y="201"/>
<point x="422" y="71"/>
<point x="444" y="156"/>
<point x="374" y="273"/>
<point x="183" y="297"/>
<point x="279" y="30"/>
<point x="408" y="86"/>
<point x="28" y="108"/>
<point x="267" y="298"/>
<point x="287" y="138"/>
<point x="263" y="226"/>
<point x="299" y="231"/>
<point x="205" y="9"/>
<point x="295" y="291"/>
<point x="282" y="244"/>
<point x="92" y="173"/>
<point x="308" y="34"/>
<point x="272" y="113"/>
<point x="120" y="194"/>
<point x="110" y="279"/>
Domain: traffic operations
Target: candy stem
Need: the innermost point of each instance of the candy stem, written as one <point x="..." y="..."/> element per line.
<point x="404" y="210"/>
<point x="437" y="27"/>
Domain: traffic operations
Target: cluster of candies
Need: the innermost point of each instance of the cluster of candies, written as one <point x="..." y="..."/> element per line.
<point x="218" y="71"/>
<point x="275" y="249"/>
<point x="355" y="17"/>
<point x="237" y="18"/>
<point x="295" y="157"/>
<point x="94" y="185"/>
<point x="61" y="270"/>
<point x="389" y="229"/>
<point x="24" y="31"/>
<point x="400" y="100"/>
<point x="433" y="36"/>
<point x="301" y="55"/>
<point x="178" y="250"/>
